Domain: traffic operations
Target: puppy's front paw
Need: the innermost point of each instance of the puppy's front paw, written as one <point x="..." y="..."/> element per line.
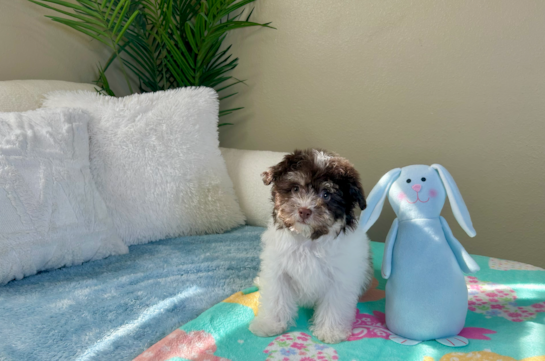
<point x="265" y="328"/>
<point x="331" y="335"/>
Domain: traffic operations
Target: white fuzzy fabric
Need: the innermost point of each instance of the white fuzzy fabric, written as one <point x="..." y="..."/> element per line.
<point x="51" y="214"/>
<point x="329" y="274"/>
<point x="155" y="160"/>
<point x="245" y="168"/>
<point x="23" y="95"/>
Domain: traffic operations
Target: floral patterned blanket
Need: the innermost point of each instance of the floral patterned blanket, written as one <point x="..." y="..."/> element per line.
<point x="505" y="322"/>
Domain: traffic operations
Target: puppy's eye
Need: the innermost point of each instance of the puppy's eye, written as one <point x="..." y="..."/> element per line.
<point x="295" y="189"/>
<point x="409" y="180"/>
<point x="423" y="179"/>
<point x="326" y="195"/>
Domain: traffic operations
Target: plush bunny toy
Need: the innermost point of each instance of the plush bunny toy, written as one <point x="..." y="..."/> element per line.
<point x="426" y="294"/>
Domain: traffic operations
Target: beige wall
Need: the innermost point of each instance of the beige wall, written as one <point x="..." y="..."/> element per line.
<point x="393" y="83"/>
<point x="385" y="83"/>
<point x="34" y="47"/>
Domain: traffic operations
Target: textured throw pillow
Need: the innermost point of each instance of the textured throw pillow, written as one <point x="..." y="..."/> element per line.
<point x="156" y="161"/>
<point x="51" y="214"/>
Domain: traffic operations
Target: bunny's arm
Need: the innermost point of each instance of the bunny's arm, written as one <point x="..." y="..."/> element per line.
<point x="465" y="261"/>
<point x="388" y="250"/>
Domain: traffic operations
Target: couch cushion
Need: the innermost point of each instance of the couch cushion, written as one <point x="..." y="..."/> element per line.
<point x="23" y="95"/>
<point x="245" y="168"/>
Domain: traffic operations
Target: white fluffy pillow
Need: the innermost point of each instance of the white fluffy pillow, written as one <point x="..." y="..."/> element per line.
<point x="155" y="159"/>
<point x="51" y="214"/>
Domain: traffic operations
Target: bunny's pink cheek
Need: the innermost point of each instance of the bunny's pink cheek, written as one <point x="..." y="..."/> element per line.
<point x="433" y="193"/>
<point x="401" y="196"/>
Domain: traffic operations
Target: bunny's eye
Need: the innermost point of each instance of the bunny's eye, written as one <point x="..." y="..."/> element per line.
<point x="423" y="179"/>
<point x="409" y="180"/>
<point x="295" y="189"/>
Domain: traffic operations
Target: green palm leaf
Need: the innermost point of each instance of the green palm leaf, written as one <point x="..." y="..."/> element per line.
<point x="163" y="43"/>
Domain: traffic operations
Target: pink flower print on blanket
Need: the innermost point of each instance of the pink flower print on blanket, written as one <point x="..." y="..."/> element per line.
<point x="504" y="265"/>
<point x="194" y="346"/>
<point x="298" y="346"/>
<point x="495" y="300"/>
<point x="374" y="326"/>
<point x="369" y="326"/>
<point x="476" y="333"/>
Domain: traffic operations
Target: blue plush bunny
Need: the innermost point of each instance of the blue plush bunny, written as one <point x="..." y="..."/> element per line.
<point x="426" y="294"/>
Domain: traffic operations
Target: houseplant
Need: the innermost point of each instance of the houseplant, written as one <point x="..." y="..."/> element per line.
<point x="164" y="43"/>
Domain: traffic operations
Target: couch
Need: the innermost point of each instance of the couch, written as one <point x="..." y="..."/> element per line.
<point x="124" y="306"/>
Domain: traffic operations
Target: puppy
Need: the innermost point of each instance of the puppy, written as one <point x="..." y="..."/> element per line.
<point x="313" y="254"/>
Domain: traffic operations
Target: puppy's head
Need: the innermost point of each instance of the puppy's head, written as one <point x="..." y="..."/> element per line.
<point x="314" y="192"/>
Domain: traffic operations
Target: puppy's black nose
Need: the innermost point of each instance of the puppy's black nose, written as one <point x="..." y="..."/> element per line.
<point x="304" y="213"/>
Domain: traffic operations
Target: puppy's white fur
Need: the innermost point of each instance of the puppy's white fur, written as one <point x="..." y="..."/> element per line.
<point x="329" y="274"/>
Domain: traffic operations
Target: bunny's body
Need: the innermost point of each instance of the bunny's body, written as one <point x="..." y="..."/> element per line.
<point x="434" y="305"/>
<point x="426" y="294"/>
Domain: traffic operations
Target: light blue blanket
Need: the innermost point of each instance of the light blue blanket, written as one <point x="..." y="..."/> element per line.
<point x="114" y="309"/>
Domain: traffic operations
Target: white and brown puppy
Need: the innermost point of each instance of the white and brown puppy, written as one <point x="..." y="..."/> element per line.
<point x="313" y="255"/>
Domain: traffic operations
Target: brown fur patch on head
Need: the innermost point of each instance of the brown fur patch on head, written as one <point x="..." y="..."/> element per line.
<point x="321" y="181"/>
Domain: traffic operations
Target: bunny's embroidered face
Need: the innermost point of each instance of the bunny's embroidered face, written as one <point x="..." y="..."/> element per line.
<point x="418" y="192"/>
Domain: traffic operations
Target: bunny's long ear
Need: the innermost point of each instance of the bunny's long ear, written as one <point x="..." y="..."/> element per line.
<point x="375" y="200"/>
<point x="459" y="208"/>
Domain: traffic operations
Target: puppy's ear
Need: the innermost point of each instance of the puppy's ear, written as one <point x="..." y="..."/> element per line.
<point x="350" y="178"/>
<point x="288" y="163"/>
<point x="268" y="176"/>
<point x="356" y="191"/>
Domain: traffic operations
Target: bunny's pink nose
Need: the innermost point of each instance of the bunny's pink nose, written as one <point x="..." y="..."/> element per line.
<point x="417" y="187"/>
